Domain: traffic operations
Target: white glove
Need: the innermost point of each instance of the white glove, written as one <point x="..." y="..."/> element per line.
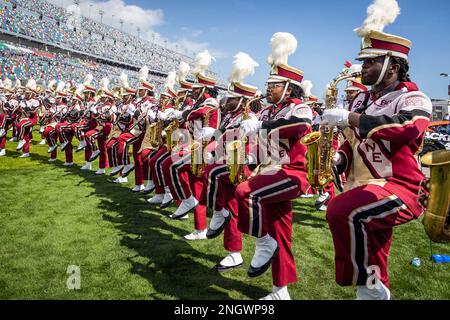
<point x="151" y="115"/>
<point x="250" y="127"/>
<point x="207" y="132"/>
<point x="162" y="116"/>
<point x="251" y="159"/>
<point x="176" y="114"/>
<point x="337" y="159"/>
<point x="335" y="117"/>
<point x="209" y="158"/>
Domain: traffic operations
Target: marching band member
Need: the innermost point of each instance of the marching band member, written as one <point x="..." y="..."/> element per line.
<point x="7" y="118"/>
<point x="65" y="129"/>
<point x="183" y="102"/>
<point x="385" y="129"/>
<point x="56" y="114"/>
<point x="354" y="85"/>
<point x="29" y="118"/>
<point x="123" y="123"/>
<point x="87" y="122"/>
<point x="201" y="121"/>
<point x="218" y="190"/>
<point x="264" y="200"/>
<point x="104" y="114"/>
<point x="144" y="105"/>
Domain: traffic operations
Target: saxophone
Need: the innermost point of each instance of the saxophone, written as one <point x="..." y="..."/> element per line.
<point x="174" y="125"/>
<point x="197" y="148"/>
<point x="236" y="150"/>
<point x="436" y="219"/>
<point x="320" y="143"/>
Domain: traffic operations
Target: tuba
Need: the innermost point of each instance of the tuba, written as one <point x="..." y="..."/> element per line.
<point x="153" y="136"/>
<point x="320" y="143"/>
<point x="174" y="125"/>
<point x="236" y="150"/>
<point x="436" y="219"/>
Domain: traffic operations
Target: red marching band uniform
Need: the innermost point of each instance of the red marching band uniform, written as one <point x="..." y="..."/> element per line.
<point x="8" y="114"/>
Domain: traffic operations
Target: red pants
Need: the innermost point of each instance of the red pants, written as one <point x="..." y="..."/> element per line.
<point x="361" y="222"/>
<point x="217" y="194"/>
<point x="24" y="131"/>
<point x="65" y="133"/>
<point x="154" y="168"/>
<point x="101" y="137"/>
<point x="5" y="124"/>
<point x="265" y="208"/>
<point x="123" y="142"/>
<point x="111" y="149"/>
<point x="183" y="184"/>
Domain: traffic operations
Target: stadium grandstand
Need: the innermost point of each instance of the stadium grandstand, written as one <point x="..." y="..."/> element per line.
<point x="41" y="40"/>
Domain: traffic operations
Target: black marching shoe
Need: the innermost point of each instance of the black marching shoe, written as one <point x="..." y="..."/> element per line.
<point x="214" y="233"/>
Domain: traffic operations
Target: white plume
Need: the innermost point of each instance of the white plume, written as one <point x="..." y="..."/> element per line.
<point x="7" y="83"/>
<point x="170" y="80"/>
<point x="283" y="44"/>
<point x="183" y="71"/>
<point x="379" y="14"/>
<point x="60" y="87"/>
<point x="124" y="80"/>
<point x="51" y="84"/>
<point x="202" y="61"/>
<point x="143" y="73"/>
<point x="104" y="83"/>
<point x="80" y="89"/>
<point x="31" y="84"/>
<point x="243" y="66"/>
<point x="88" y="79"/>
<point x="355" y="68"/>
<point x="68" y="85"/>
<point x="306" y="85"/>
<point x="17" y="83"/>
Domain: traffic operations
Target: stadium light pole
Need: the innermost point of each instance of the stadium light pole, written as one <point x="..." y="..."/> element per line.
<point x="90" y="7"/>
<point x="101" y="13"/>
<point x="121" y="25"/>
<point x="139" y="32"/>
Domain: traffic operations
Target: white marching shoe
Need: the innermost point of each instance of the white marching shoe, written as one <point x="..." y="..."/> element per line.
<point x="149" y="187"/>
<point x="87" y="166"/>
<point x="184" y="208"/>
<point x="379" y="292"/>
<point x="115" y="170"/>
<point x="68" y="164"/>
<point x="20" y="145"/>
<point x="168" y="199"/>
<point x="100" y="172"/>
<point x="156" y="199"/>
<point x="82" y="145"/>
<point x="266" y="248"/>
<point x="94" y="155"/>
<point x="218" y="222"/>
<point x="231" y="261"/>
<point x="138" y="188"/>
<point x="196" y="235"/>
<point x="52" y="148"/>
<point x="278" y="293"/>
<point x="43" y="141"/>
<point x="2" y="152"/>
<point x="63" y="146"/>
<point x="2" y="132"/>
<point x="121" y="180"/>
<point x="52" y="160"/>
<point x="127" y="170"/>
<point x="13" y="139"/>
<point x="25" y="155"/>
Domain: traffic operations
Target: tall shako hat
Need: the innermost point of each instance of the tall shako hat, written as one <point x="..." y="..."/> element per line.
<point x="88" y="87"/>
<point x="169" y="85"/>
<point x="375" y="42"/>
<point x="202" y="62"/>
<point x="144" y="84"/>
<point x="283" y="44"/>
<point x="243" y="66"/>
<point x="127" y="90"/>
<point x="183" y="71"/>
<point x="354" y="84"/>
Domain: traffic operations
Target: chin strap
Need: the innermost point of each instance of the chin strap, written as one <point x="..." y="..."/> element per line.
<point x="383" y="70"/>
<point x="286" y="86"/>
<point x="238" y="105"/>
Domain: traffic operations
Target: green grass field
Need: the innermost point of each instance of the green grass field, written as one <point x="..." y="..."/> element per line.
<point x="52" y="217"/>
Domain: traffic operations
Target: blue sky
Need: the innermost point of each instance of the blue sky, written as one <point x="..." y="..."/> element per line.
<point x="323" y="28"/>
